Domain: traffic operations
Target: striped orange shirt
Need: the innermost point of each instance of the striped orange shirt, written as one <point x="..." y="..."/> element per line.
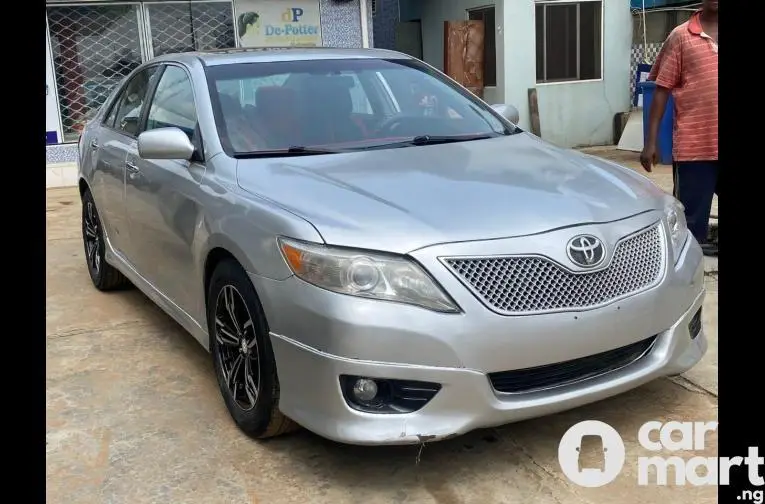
<point x="687" y="65"/>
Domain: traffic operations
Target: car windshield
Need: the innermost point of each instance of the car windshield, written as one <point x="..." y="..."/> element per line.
<point x="339" y="105"/>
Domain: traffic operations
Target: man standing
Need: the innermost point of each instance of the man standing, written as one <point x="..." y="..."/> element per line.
<point x="687" y="67"/>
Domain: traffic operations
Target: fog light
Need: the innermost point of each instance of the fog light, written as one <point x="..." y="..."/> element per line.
<point x="386" y="395"/>
<point x="364" y="389"/>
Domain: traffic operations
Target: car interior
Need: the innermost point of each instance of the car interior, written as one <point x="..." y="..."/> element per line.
<point x="318" y="109"/>
<point x="299" y="112"/>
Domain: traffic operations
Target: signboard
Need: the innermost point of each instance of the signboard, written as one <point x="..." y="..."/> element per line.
<point x="52" y="125"/>
<point x="278" y="23"/>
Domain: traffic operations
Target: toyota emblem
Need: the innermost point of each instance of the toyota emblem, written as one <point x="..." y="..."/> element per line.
<point x="586" y="251"/>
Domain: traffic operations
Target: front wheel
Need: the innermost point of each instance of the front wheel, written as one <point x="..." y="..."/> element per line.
<point x="242" y="356"/>
<point x="104" y="276"/>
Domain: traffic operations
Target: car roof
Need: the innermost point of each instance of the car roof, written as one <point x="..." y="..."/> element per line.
<point x="271" y="54"/>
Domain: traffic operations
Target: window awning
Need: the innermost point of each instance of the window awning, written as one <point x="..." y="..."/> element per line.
<point x="655" y="4"/>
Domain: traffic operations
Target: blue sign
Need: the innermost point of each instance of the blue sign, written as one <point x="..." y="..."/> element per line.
<point x="51" y="137"/>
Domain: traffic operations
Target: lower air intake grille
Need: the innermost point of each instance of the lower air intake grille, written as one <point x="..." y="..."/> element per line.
<point x="694" y="327"/>
<point x="565" y="373"/>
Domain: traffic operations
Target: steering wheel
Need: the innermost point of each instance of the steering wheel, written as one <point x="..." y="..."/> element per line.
<point x="389" y="125"/>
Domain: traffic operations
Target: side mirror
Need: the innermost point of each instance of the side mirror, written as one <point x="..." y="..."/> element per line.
<point x="165" y="143"/>
<point x="508" y="112"/>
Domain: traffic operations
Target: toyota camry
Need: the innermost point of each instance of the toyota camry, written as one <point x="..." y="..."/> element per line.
<point x="370" y="251"/>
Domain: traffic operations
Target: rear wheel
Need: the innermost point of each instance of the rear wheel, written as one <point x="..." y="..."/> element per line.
<point x="105" y="277"/>
<point x="242" y="356"/>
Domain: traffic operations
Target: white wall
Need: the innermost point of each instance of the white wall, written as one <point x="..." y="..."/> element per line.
<point x="434" y="13"/>
<point x="577" y="113"/>
<point x="571" y="114"/>
<point x="52" y="123"/>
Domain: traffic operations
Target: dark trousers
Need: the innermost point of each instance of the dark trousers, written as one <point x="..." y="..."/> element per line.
<point x="695" y="186"/>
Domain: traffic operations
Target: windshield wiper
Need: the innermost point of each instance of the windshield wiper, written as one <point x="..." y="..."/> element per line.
<point x="442" y="139"/>
<point x="432" y="140"/>
<point x="295" y="150"/>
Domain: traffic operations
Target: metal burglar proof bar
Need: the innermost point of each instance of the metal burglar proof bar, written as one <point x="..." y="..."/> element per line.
<point x="189" y="26"/>
<point x="542" y="7"/>
<point x="95" y="45"/>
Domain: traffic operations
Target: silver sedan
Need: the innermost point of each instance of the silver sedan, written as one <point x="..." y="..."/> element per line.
<point x="370" y="251"/>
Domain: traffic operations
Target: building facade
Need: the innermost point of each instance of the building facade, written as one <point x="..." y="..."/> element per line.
<point x="574" y="53"/>
<point x="92" y="45"/>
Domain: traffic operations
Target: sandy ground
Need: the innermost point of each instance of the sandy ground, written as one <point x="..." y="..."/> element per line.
<point x="134" y="416"/>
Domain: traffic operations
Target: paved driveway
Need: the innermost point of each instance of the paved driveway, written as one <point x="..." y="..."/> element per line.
<point x="134" y="416"/>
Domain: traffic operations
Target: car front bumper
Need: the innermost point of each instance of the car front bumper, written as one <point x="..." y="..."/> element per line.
<point x="317" y="336"/>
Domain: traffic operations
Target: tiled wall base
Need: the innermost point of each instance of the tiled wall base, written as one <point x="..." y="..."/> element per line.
<point x="66" y="153"/>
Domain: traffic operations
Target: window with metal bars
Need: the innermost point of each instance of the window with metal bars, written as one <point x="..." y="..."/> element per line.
<point x="95" y="46"/>
<point x="568" y="40"/>
<point x="190" y="26"/>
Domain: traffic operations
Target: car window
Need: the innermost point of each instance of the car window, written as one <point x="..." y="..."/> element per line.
<point x="126" y="112"/>
<point x="173" y="103"/>
<point x="335" y="102"/>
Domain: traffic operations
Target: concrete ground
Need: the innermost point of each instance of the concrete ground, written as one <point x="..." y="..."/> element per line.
<point x="134" y="416"/>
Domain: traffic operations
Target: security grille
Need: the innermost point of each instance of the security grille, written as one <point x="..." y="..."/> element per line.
<point x="93" y="48"/>
<point x="531" y="284"/>
<point x="190" y="26"/>
<point x="640" y="55"/>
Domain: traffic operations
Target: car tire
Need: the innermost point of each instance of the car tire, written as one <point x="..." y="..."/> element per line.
<point x="242" y="355"/>
<point x="105" y="277"/>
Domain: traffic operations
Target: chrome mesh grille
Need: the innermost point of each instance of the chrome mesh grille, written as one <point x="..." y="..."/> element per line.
<point x="532" y="284"/>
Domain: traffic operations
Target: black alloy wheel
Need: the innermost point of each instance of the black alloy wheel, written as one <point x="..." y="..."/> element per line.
<point x="243" y="359"/>
<point x="237" y="347"/>
<point x="104" y="276"/>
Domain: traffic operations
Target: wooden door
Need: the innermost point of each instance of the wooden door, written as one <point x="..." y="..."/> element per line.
<point x="463" y="53"/>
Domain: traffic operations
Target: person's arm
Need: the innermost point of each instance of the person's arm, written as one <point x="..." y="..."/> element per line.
<point x="666" y="72"/>
<point x="655" y="113"/>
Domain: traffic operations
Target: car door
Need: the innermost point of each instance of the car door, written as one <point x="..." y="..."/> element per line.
<point x="108" y="151"/>
<point x="162" y="195"/>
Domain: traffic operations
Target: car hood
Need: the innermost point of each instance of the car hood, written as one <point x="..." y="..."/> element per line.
<point x="403" y="199"/>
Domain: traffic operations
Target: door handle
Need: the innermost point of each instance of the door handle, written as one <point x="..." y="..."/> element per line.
<point x="131" y="167"/>
<point x="94" y="144"/>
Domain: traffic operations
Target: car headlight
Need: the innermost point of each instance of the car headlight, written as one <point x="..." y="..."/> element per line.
<point x="678" y="228"/>
<point x="365" y="274"/>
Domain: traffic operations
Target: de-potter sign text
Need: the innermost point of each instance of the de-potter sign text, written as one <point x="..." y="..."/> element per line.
<point x="267" y="23"/>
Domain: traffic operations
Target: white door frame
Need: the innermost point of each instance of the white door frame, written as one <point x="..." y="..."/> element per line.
<point x="52" y="87"/>
<point x="364" y="23"/>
